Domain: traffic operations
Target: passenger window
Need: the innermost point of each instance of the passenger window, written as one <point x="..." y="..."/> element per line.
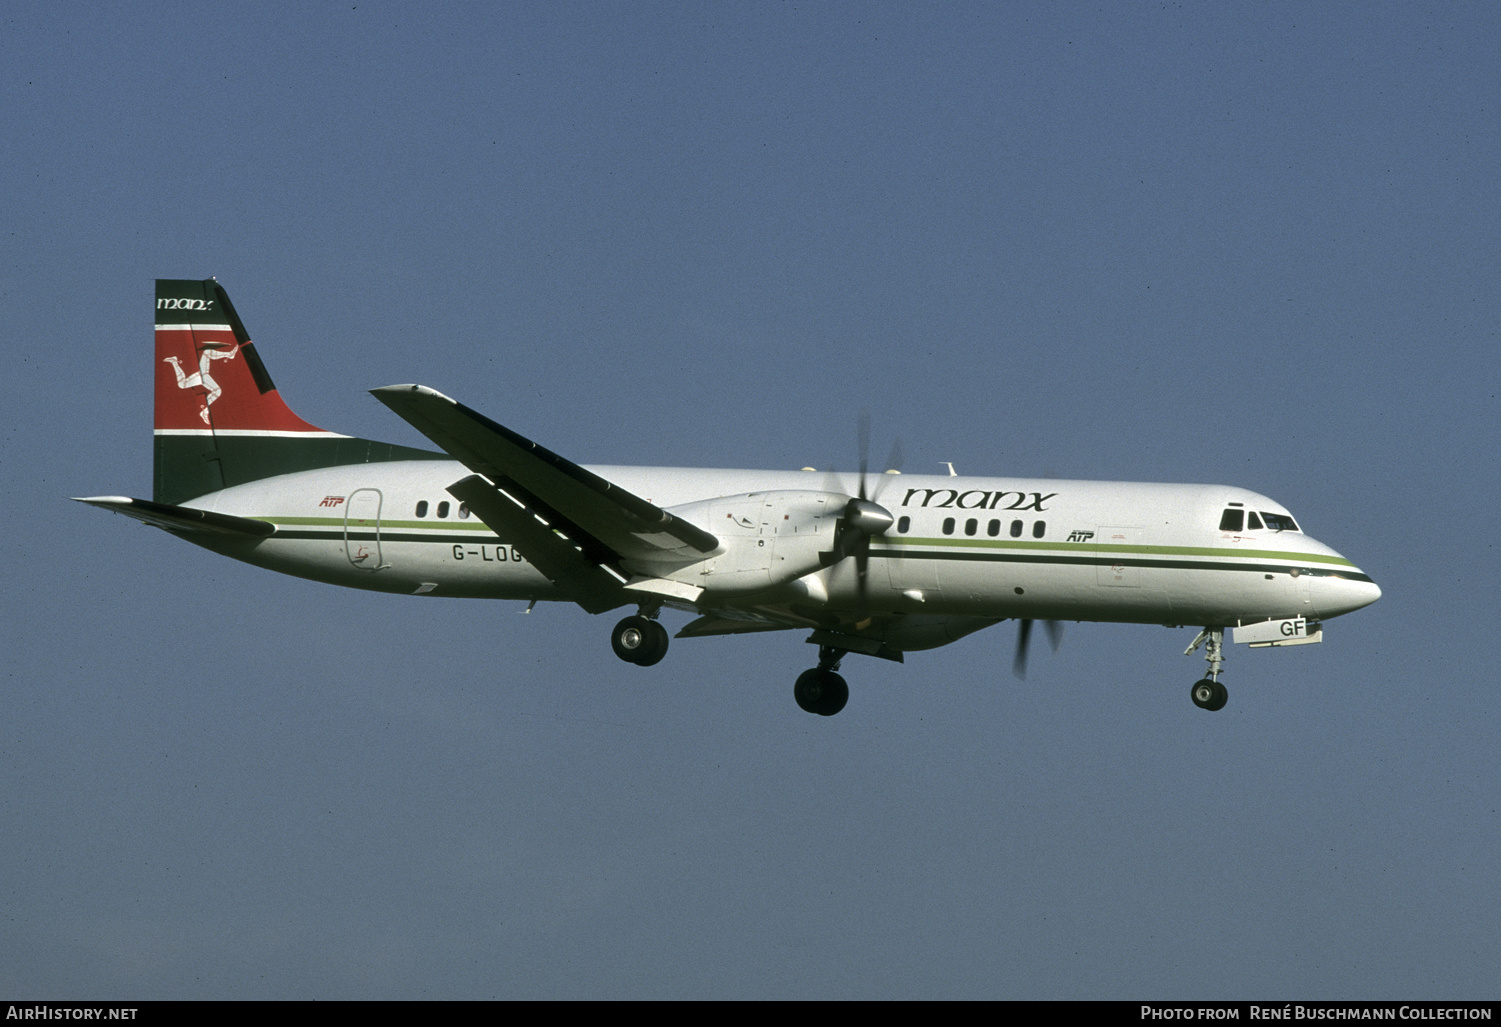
<point x="443" y="508"/>
<point x="464" y="511"/>
<point x="993" y="528"/>
<point x="971" y="526"/>
<point x="948" y="525"/>
<point x="422" y="508"/>
<point x="1232" y="520"/>
<point x="1016" y="529"/>
<point x="1252" y="521"/>
<point x="1039" y="529"/>
<point x="903" y="524"/>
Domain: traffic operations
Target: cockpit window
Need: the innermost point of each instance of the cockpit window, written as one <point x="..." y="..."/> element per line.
<point x="1279" y="522"/>
<point x="1252" y="521"/>
<point x="1233" y="520"/>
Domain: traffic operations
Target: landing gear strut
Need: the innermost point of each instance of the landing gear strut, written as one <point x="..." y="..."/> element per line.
<point x="639" y="640"/>
<point x="821" y="690"/>
<point x="1208" y="693"/>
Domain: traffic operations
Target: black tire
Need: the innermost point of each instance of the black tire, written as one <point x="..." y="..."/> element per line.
<point x="821" y="691"/>
<point x="808" y="690"/>
<point x="656" y="645"/>
<point x="836" y="694"/>
<point x="1209" y="695"/>
<point x="632" y="639"/>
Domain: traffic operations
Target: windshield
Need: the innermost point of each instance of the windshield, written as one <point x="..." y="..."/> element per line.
<point x="1279" y="522"/>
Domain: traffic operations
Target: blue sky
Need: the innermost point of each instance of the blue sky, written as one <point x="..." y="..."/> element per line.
<point x="1249" y="244"/>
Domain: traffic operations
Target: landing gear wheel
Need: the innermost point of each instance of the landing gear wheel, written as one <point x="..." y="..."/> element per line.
<point x="1209" y="695"/>
<point x="657" y="648"/>
<point x="821" y="691"/>
<point x="640" y="641"/>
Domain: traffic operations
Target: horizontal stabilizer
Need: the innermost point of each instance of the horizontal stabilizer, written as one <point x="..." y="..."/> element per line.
<point x="594" y="512"/>
<point x="181" y="519"/>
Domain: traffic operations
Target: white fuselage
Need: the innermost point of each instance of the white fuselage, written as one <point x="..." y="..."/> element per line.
<point x="961" y="546"/>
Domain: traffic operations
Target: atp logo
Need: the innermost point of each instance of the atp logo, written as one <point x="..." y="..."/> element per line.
<point x="332" y="501"/>
<point x="201" y="379"/>
<point x="1080" y="536"/>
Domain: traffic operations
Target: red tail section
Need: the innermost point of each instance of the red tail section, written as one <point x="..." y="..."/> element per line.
<point x="208" y="375"/>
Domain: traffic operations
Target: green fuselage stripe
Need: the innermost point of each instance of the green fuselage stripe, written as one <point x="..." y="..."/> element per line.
<point x="1113" y="547"/>
<point x="369" y="535"/>
<point x="338" y="522"/>
<point x="1295" y="561"/>
<point x="1016" y="545"/>
<point x="1020" y="552"/>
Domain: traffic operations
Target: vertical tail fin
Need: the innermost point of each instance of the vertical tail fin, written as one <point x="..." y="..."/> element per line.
<point x="211" y="388"/>
<point x="209" y="377"/>
<point x="219" y="419"/>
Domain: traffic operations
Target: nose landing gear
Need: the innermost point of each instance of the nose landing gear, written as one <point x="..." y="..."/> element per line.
<point x="1208" y="693"/>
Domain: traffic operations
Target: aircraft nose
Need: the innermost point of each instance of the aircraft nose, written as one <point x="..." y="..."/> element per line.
<point x="1335" y="595"/>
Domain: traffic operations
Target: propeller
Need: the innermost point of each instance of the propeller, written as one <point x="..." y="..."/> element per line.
<point x="863" y="516"/>
<point x="1024" y="637"/>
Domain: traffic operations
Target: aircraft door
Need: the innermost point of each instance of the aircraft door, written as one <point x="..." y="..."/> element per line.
<point x="912" y="573"/>
<point x="362" y="529"/>
<point x="1302" y="591"/>
<point x="1116" y="574"/>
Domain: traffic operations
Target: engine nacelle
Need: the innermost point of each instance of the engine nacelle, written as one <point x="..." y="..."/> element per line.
<point x="768" y="538"/>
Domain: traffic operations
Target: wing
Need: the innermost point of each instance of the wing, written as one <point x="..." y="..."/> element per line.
<point x="569" y="521"/>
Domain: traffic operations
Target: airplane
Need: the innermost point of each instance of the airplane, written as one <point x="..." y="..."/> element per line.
<point x="875" y="565"/>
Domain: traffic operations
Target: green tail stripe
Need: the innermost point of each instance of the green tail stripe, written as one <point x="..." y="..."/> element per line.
<point x="188" y="466"/>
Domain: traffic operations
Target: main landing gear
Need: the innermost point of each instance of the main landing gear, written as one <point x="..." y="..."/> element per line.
<point x="1208" y="693"/>
<point x="643" y="641"/>
<point x="639" y="640"/>
<point x="821" y="690"/>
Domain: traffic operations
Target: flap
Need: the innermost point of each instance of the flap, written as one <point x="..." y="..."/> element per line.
<point x="665" y="587"/>
<point x="734" y="622"/>
<point x="596" y="514"/>
<point x="586" y="583"/>
<point x="181" y="519"/>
